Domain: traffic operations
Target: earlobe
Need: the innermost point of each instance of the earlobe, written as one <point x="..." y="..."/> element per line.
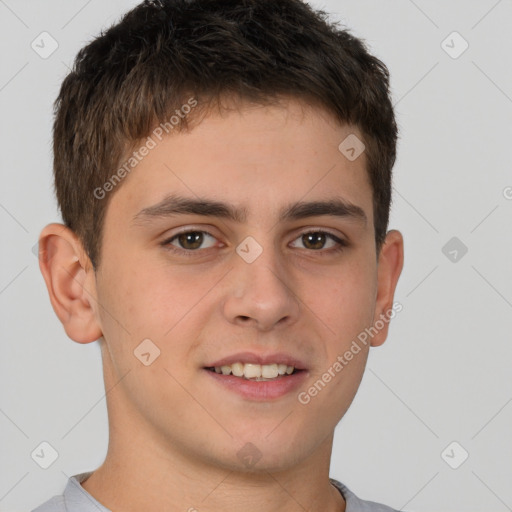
<point x="68" y="275"/>
<point x="391" y="260"/>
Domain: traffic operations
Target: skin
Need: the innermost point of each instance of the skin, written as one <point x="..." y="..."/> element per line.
<point x="175" y="434"/>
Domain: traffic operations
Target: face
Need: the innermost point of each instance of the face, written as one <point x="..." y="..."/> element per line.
<point x="249" y="239"/>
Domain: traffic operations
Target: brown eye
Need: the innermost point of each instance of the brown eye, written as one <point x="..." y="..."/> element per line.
<point x="317" y="240"/>
<point x="314" y="240"/>
<point x="191" y="240"/>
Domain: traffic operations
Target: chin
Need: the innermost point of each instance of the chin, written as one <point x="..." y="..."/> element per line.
<point x="274" y="452"/>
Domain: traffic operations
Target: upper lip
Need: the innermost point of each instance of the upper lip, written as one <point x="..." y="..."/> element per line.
<point x="253" y="358"/>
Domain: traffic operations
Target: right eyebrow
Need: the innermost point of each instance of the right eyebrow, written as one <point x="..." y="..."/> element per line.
<point x="175" y="205"/>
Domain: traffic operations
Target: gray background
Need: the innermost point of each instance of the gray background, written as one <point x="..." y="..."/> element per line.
<point x="444" y="374"/>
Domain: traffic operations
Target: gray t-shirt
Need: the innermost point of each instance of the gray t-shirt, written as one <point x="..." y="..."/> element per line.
<point x="76" y="499"/>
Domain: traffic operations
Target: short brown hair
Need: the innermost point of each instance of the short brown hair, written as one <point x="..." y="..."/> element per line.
<point x="137" y="73"/>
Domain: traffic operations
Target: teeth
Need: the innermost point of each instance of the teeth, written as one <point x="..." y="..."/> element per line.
<point x="252" y="370"/>
<point x="269" y="371"/>
<point x="255" y="371"/>
<point x="237" y="369"/>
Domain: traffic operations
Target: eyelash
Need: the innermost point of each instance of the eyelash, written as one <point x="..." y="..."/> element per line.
<point x="341" y="244"/>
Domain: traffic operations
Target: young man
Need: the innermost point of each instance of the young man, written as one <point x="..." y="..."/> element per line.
<point x="224" y="174"/>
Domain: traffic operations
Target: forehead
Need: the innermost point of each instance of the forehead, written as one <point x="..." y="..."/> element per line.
<point x="256" y="157"/>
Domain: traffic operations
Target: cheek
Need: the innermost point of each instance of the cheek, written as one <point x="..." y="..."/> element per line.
<point x="133" y="290"/>
<point x="154" y="300"/>
<point x="128" y="303"/>
<point x="344" y="300"/>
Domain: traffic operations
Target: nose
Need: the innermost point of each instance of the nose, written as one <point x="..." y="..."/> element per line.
<point x="260" y="293"/>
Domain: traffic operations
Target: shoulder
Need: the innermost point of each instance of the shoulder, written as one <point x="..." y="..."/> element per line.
<point x="74" y="498"/>
<point x="55" y="504"/>
<point x="355" y="504"/>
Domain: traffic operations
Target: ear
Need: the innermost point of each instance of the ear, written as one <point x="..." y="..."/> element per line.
<point x="389" y="267"/>
<point x="69" y="277"/>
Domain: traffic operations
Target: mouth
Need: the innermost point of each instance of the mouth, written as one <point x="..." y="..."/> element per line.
<point x="256" y="372"/>
<point x="258" y="382"/>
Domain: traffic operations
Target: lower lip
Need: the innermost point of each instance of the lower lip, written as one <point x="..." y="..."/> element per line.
<point x="261" y="390"/>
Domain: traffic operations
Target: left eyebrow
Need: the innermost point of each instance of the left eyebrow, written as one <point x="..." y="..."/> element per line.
<point x="176" y="205"/>
<point x="332" y="207"/>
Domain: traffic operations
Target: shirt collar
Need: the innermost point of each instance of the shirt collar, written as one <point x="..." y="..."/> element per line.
<point x="79" y="500"/>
